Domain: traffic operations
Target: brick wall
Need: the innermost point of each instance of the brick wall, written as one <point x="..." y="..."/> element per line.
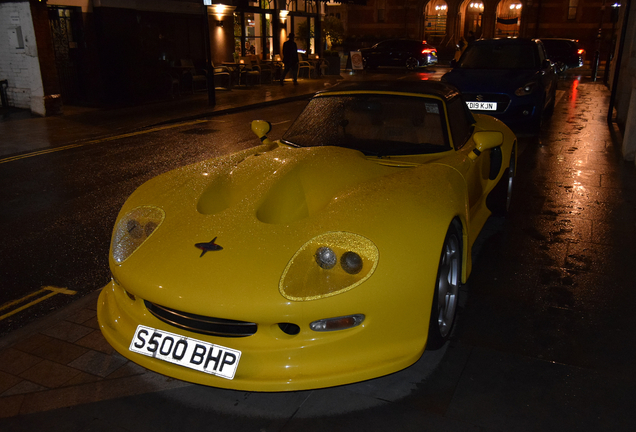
<point x="20" y="66"/>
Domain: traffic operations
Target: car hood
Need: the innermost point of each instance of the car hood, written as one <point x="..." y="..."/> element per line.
<point x="261" y="207"/>
<point x="489" y="80"/>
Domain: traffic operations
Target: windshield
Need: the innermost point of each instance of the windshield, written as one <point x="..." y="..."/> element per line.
<point x="499" y="56"/>
<point x="377" y="125"/>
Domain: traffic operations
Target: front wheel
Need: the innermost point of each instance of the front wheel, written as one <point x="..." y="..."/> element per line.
<point x="447" y="286"/>
<point x="412" y="63"/>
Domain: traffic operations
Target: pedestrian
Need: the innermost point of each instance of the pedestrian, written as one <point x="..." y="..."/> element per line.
<point x="461" y="47"/>
<point x="290" y="59"/>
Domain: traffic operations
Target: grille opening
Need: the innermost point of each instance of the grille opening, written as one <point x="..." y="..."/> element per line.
<point x="202" y="324"/>
<point x="289" y="328"/>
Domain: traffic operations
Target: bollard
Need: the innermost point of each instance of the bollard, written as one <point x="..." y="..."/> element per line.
<point x="3" y="93"/>
<point x="597" y="58"/>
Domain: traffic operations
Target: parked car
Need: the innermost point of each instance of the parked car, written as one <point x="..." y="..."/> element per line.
<point x="565" y="53"/>
<point x="331" y="256"/>
<point x="510" y="79"/>
<point x="409" y="53"/>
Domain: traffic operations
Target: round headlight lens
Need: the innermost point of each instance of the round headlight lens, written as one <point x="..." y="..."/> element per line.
<point x="134" y="229"/>
<point x="326" y="258"/>
<point x="351" y="262"/>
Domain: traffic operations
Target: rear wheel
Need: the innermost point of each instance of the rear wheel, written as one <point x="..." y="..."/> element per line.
<point x="500" y="197"/>
<point x="412" y="63"/>
<point x="447" y="286"/>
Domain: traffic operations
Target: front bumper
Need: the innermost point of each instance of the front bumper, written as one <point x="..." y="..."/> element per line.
<point x="272" y="360"/>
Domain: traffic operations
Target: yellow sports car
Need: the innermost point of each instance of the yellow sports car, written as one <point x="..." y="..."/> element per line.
<point x="331" y="256"/>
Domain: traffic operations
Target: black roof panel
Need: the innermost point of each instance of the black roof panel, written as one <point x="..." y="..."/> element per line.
<point x="435" y="88"/>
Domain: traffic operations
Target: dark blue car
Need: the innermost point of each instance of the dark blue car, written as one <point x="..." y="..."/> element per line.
<point x="510" y="79"/>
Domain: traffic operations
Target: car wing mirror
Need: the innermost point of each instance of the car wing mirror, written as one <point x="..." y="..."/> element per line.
<point x="261" y="128"/>
<point x="453" y="64"/>
<point x="485" y="140"/>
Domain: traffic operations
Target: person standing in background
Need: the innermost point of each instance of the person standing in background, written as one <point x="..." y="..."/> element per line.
<point x="290" y="59"/>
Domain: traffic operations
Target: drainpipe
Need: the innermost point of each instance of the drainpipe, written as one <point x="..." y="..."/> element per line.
<point x="617" y="66"/>
<point x="536" y="28"/>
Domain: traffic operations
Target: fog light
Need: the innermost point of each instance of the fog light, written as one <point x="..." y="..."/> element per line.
<point x="289" y="328"/>
<point x="338" y="323"/>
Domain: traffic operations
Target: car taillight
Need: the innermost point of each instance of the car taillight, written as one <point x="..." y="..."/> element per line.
<point x="581" y="51"/>
<point x="428" y="51"/>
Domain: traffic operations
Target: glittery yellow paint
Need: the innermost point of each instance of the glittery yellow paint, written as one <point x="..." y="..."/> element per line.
<point x="304" y="280"/>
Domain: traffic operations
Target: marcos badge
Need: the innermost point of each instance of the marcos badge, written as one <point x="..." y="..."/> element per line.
<point x="207" y="247"/>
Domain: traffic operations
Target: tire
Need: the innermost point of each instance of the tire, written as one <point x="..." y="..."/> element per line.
<point x="447" y="287"/>
<point x="549" y="110"/>
<point x="412" y="63"/>
<point x="537" y="123"/>
<point x="500" y="197"/>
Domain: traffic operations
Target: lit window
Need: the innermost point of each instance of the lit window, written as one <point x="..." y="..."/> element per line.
<point x="572" y="9"/>
<point x="381" y="5"/>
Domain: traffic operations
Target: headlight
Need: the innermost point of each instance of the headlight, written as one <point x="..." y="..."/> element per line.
<point x="327" y="265"/>
<point x="133" y="230"/>
<point x="526" y="89"/>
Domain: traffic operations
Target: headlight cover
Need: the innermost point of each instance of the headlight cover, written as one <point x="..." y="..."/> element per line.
<point x="133" y="230"/>
<point x="327" y="265"/>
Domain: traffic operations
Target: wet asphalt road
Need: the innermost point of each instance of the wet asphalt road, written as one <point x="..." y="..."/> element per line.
<point x="546" y="332"/>
<point x="58" y="209"/>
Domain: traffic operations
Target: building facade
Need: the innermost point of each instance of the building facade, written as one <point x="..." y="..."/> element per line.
<point x="99" y="52"/>
<point x="444" y="22"/>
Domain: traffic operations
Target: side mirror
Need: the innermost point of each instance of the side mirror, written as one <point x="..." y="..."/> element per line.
<point x="453" y="64"/>
<point x="261" y="128"/>
<point x="485" y="140"/>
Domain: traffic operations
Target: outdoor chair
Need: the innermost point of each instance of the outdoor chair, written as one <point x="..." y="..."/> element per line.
<point x="197" y="78"/>
<point x="266" y="69"/>
<point x="222" y="73"/>
<point x="303" y="64"/>
<point x="248" y="73"/>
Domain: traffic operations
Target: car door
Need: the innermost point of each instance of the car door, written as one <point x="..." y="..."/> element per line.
<point x="382" y="54"/>
<point x="477" y="169"/>
<point x="548" y="74"/>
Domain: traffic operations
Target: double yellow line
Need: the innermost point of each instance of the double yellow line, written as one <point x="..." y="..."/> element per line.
<point x="96" y="141"/>
<point x="51" y="292"/>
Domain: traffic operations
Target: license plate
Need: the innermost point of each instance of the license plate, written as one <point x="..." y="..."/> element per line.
<point x="184" y="351"/>
<point x="482" y="106"/>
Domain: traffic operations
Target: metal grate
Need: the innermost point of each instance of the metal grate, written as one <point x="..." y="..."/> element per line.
<point x="202" y="324"/>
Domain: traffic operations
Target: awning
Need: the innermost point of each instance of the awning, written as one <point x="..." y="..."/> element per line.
<point x="508" y="20"/>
